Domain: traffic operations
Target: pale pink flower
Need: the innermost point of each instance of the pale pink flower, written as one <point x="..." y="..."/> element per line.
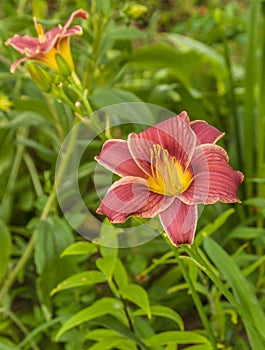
<point x="44" y="48"/>
<point x="167" y="170"/>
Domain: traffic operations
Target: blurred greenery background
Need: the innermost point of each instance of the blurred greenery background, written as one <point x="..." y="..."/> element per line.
<point x="205" y="57"/>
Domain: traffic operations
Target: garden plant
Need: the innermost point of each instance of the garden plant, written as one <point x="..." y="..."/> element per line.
<point x="132" y="175"/>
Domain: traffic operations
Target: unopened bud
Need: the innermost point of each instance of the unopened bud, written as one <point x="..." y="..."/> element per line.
<point x="135" y="11"/>
<point x="5" y="103"/>
<point x="63" y="65"/>
<point x="40" y="76"/>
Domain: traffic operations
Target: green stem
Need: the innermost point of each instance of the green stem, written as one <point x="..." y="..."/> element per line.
<point x="197" y="301"/>
<point x="126" y="311"/>
<point x="56" y="119"/>
<point x="20" y="325"/>
<point x="198" y="255"/>
<point x="34" y="174"/>
<point x="75" y="85"/>
<point x="82" y="94"/>
<point x="18" y="267"/>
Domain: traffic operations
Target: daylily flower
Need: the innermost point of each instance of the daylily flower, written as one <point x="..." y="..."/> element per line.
<point x="167" y="170"/>
<point x="44" y="48"/>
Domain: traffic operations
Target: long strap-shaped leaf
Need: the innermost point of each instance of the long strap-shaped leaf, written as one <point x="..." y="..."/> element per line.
<point x="250" y="310"/>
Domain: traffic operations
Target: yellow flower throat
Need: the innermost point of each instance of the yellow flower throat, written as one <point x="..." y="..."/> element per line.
<point x="168" y="177"/>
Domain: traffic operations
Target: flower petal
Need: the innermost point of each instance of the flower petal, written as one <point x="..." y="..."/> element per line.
<point x="184" y="115"/>
<point x="78" y="13"/>
<point x="174" y="135"/>
<point x="23" y="44"/>
<point x="52" y="37"/>
<point x="179" y="221"/>
<point x="130" y="196"/>
<point x="17" y="63"/>
<point x="116" y="157"/>
<point x="214" y="179"/>
<point x="75" y="30"/>
<point x="205" y="132"/>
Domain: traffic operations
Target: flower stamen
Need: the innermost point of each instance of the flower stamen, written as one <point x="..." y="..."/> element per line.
<point x="40" y="31"/>
<point x="167" y="175"/>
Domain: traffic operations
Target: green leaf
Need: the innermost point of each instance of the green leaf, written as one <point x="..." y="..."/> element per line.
<point x="120" y="274"/>
<point x="15" y="23"/>
<point x="251" y="312"/>
<point x="8" y="347"/>
<point x="25" y="119"/>
<point x="200" y="347"/>
<point x="186" y="44"/>
<point x="36" y="146"/>
<point x="86" y="169"/>
<point x="201" y="56"/>
<point x="99" y="334"/>
<point x="177" y="337"/>
<point x="108" y="339"/>
<point x="127" y="107"/>
<point x="99" y="308"/>
<point x="41" y="328"/>
<point x="52" y="237"/>
<point x="143" y="327"/>
<point x="258" y="202"/>
<point x="258" y="180"/>
<point x="106" y="265"/>
<point x="212" y="227"/>
<point x="103" y="98"/>
<point x="252" y="267"/>
<point x="112" y="343"/>
<point x="5" y="248"/>
<point x="138" y="296"/>
<point x="108" y="241"/>
<point x="246" y="233"/>
<point x="163" y="311"/>
<point x="81" y="279"/>
<point x="103" y="6"/>
<point x="124" y="33"/>
<point x="80" y="248"/>
<point x="39" y="107"/>
<point x="186" y="58"/>
<point x="109" y="321"/>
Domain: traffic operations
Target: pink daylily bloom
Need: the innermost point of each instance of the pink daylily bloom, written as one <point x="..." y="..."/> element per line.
<point x="167" y="170"/>
<point x="44" y="48"/>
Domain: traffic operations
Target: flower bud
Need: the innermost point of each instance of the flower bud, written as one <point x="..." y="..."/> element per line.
<point x="5" y="103"/>
<point x="63" y="65"/>
<point x="40" y="76"/>
<point x="135" y="11"/>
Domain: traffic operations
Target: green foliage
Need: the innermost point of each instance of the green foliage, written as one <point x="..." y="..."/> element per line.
<point x="249" y="306"/>
<point x="5" y="249"/>
<point x="58" y="291"/>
